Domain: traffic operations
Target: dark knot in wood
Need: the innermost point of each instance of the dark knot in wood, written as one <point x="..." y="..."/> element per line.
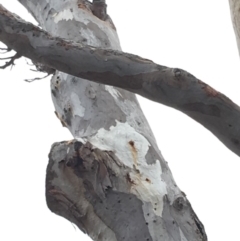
<point x="99" y="9"/>
<point x="177" y="73"/>
<point x="179" y="203"/>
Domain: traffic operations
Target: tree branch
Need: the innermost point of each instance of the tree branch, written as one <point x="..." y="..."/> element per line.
<point x="172" y="87"/>
<point x="107" y="205"/>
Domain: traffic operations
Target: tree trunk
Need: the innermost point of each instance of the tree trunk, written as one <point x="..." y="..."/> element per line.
<point x="111" y="180"/>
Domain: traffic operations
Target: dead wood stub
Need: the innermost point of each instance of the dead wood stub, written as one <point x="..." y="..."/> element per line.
<point x="80" y="186"/>
<point x="85" y="183"/>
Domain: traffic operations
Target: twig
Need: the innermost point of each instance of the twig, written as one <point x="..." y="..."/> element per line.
<point x="6" y="50"/>
<point x="11" y="61"/>
<point x="38" y="78"/>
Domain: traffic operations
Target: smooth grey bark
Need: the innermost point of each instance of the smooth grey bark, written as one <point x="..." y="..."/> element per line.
<point x="235" y="14"/>
<point x="112" y="181"/>
<point x="108" y="65"/>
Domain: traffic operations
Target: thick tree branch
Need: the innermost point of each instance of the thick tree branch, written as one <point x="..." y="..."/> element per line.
<point x="103" y="185"/>
<point x="172" y="87"/>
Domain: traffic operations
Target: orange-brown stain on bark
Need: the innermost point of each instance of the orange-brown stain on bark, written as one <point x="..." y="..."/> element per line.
<point x="208" y="89"/>
<point x="84" y="5"/>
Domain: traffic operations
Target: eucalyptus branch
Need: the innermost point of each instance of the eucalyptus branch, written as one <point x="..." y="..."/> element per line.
<point x="169" y="86"/>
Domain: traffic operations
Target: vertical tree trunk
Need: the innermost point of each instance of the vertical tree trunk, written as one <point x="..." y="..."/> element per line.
<point x="112" y="180"/>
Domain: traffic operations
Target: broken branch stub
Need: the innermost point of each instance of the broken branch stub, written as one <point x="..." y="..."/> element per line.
<point x="92" y="189"/>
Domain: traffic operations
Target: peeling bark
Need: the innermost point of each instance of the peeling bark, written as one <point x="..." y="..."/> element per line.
<point x="92" y="188"/>
<point x="112" y="181"/>
<point x="172" y="87"/>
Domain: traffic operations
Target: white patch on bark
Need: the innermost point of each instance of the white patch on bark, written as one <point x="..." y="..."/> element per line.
<point x="131" y="148"/>
<point x="77" y="108"/>
<point x="149" y="186"/>
<point x="82" y="140"/>
<point x="135" y="118"/>
<point x="114" y="92"/>
<point x="66" y="15"/>
<point x="183" y="238"/>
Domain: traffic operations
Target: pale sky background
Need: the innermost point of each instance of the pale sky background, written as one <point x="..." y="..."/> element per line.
<point x="195" y="35"/>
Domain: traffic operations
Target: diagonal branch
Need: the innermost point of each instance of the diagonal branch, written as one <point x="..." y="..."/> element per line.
<point x="172" y="87"/>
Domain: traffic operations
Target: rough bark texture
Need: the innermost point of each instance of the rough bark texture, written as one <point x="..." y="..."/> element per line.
<point x="112" y="182"/>
<point x="108" y="65"/>
<point x="94" y="189"/>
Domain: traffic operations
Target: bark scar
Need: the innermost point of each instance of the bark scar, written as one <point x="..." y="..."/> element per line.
<point x="133" y="151"/>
